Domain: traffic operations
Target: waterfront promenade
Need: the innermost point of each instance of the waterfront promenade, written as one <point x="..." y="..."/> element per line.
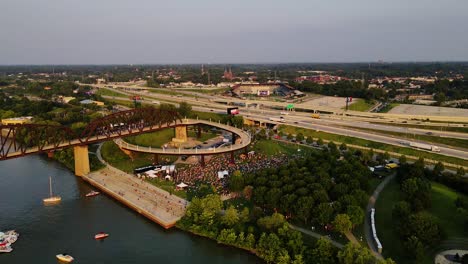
<point x="145" y="198"/>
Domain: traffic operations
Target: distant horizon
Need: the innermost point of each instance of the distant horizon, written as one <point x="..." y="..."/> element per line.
<point x="239" y="63"/>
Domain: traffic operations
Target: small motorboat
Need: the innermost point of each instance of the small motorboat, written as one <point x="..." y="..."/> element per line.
<point x="100" y="235"/>
<point x="92" y="193"/>
<point x="5" y="248"/>
<point x="64" y="257"/>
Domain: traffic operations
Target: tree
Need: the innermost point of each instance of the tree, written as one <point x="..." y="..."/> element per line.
<point x="230" y="217"/>
<point x="425" y="227"/>
<point x="304" y="207"/>
<point x="402" y="159"/>
<point x="236" y="181"/>
<point x="417" y="191"/>
<point x="322" y="213"/>
<point x="289" y="136"/>
<point x="283" y="257"/>
<point x="440" y="98"/>
<point x="386" y="156"/>
<point x="271" y="133"/>
<point x="245" y="215"/>
<point x="185" y="109"/>
<point x="167" y="107"/>
<point x="343" y="147"/>
<point x="309" y="140"/>
<point x="271" y="222"/>
<point x="355" y="254"/>
<point x="320" y="141"/>
<point x="438" y="169"/>
<point x="324" y="252"/>
<point x="250" y="241"/>
<point x="342" y="223"/>
<point x="414" y="248"/>
<point x="292" y="240"/>
<point x="269" y="246"/>
<point x="356" y="214"/>
<point x="300" y="137"/>
<point x="401" y="211"/>
<point x="460" y="172"/>
<point x="332" y="146"/>
<point x="227" y="236"/>
<point x="204" y="211"/>
<point x="237" y="121"/>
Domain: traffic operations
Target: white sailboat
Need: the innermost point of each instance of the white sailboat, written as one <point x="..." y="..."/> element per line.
<point x="51" y="199"/>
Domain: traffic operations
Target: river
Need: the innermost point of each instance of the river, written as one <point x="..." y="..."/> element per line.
<point x="70" y="226"/>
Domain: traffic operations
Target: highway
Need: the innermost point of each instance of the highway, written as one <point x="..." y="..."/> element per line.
<point x="334" y="120"/>
<point x="331" y="123"/>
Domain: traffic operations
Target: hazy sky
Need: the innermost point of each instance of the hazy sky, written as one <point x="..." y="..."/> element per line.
<point x="235" y="31"/>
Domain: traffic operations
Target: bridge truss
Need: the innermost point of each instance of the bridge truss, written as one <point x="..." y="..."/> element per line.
<point x="26" y="139"/>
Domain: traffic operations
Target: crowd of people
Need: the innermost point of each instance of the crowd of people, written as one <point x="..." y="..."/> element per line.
<point x="209" y="172"/>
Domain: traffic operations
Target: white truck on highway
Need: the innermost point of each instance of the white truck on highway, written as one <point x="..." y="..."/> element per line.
<point x="424" y="146"/>
<point x="281" y="119"/>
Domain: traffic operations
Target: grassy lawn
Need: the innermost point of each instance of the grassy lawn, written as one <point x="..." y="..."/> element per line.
<point x="389" y="107"/>
<point x="104" y="91"/>
<point x="384" y="224"/>
<point x="206" y="116"/>
<point x="457" y="142"/>
<point x="159" y="138"/>
<point x="271" y="148"/>
<point x="154" y="139"/>
<point x="206" y="91"/>
<point x="204" y="136"/>
<point x="437" y="128"/>
<point x="443" y="208"/>
<point x="360" y="105"/>
<point x="443" y="205"/>
<point x="371" y="144"/>
<point x="114" y="156"/>
<point x="170" y="92"/>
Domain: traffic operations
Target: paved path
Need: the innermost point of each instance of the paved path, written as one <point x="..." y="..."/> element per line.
<point x="367" y="220"/>
<point x="316" y="235"/>
<point x="351" y="238"/>
<point x="145" y="198"/>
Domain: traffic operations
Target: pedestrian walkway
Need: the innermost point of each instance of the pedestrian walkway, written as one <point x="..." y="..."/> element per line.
<point x="156" y="204"/>
<point x="316" y="235"/>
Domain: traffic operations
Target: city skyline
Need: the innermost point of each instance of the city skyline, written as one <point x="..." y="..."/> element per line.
<point x="180" y="32"/>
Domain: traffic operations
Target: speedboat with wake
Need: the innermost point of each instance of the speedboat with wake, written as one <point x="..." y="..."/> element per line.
<point x="64" y="257"/>
<point x="101" y="235"/>
<point x="92" y="193"/>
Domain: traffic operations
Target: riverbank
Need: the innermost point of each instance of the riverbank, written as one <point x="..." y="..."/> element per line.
<point x="155" y="204"/>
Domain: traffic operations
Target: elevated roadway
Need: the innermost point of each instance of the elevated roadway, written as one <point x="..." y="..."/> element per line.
<point x="331" y="124"/>
<point x="244" y="142"/>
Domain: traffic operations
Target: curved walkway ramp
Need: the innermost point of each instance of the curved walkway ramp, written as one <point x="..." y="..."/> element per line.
<point x="245" y="140"/>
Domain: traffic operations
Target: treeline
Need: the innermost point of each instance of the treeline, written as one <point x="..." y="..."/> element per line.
<point x="314" y="190"/>
<point x="269" y="237"/>
<point x="454" y="90"/>
<point x="418" y="229"/>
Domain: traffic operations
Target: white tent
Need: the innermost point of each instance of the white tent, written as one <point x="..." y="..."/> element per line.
<point x="222" y="174"/>
<point x="181" y="185"/>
